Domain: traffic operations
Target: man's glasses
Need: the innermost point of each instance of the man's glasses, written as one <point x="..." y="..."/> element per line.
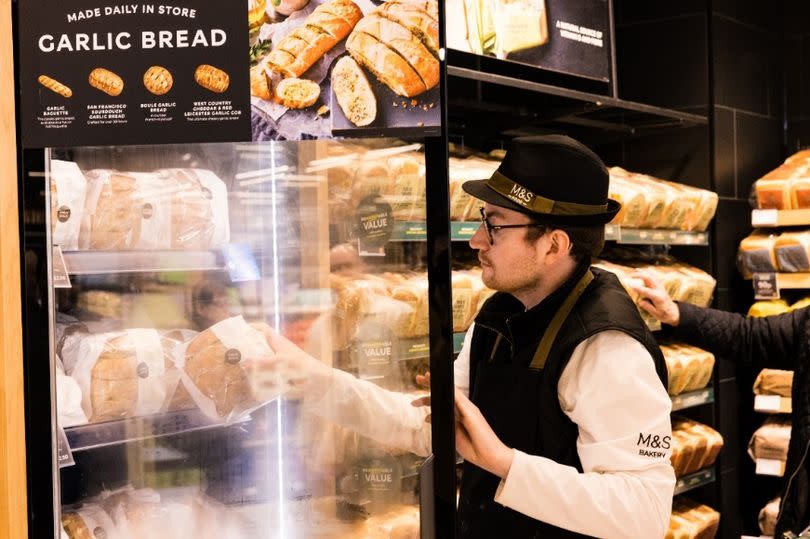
<point x="490" y="228"/>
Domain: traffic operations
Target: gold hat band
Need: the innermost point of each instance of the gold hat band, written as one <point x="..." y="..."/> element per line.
<point x="536" y="203"/>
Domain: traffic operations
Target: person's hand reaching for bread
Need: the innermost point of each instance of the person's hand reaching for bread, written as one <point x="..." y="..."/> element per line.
<point x="654" y="299"/>
<point x="297" y="373"/>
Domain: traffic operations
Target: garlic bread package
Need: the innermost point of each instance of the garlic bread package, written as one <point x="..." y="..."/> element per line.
<point x="88" y="522"/>
<point x="121" y="374"/>
<point x="124" y="210"/>
<point x="68" y="191"/>
<point x="199" y="208"/>
<point x="218" y="374"/>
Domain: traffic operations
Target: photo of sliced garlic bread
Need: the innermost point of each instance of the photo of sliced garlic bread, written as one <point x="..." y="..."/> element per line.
<point x="423" y="23"/>
<point x="353" y="92"/>
<point x="297" y="93"/>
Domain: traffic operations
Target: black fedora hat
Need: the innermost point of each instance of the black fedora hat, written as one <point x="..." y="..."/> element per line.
<point x="552" y="177"/>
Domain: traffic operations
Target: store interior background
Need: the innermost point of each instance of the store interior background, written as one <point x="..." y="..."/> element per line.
<point x="745" y="66"/>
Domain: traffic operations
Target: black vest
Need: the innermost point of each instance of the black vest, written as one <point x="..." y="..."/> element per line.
<point x="521" y="404"/>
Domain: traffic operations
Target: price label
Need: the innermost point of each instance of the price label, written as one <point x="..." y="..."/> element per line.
<point x="61" y="278"/>
<point x="765" y="286"/>
<point x="764" y="217"/>
<point x="64" y="456"/>
<point x="770" y="467"/>
<point x="374" y="224"/>
<point x="767" y="403"/>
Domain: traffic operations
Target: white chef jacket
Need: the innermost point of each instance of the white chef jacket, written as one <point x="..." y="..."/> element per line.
<point x="609" y="388"/>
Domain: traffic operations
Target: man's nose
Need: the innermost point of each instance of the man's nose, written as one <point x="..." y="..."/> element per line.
<point x="479" y="239"/>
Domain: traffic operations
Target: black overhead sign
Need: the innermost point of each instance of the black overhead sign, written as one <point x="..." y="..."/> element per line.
<point x="109" y="72"/>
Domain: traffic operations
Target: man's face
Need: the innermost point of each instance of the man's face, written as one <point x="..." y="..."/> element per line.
<point x="510" y="263"/>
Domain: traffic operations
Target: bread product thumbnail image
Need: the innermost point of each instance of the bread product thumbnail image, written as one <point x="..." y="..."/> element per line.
<point x="55" y="86"/>
<point x="106" y="81"/>
<point x="212" y="78"/>
<point x="158" y="80"/>
<point x="353" y="92"/>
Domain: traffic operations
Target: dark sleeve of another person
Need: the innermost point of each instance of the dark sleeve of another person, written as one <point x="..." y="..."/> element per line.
<point x="767" y="342"/>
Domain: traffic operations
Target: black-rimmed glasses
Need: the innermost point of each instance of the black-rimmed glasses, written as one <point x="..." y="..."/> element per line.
<point x="490" y="228"/>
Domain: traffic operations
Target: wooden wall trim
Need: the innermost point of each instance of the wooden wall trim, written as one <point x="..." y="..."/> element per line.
<point x="13" y="513"/>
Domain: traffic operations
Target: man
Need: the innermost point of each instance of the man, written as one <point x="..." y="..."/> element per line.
<point x="561" y="403"/>
<point x="778" y="341"/>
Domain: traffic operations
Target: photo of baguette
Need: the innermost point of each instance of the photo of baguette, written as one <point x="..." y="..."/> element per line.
<point x="158" y="80"/>
<point x="212" y="78"/>
<point x="106" y="81"/>
<point x="55" y="86"/>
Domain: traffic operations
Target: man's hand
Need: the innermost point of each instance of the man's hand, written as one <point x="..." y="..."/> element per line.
<point x="424" y="381"/>
<point x="477" y="442"/>
<point x="654" y="299"/>
<point x="298" y="371"/>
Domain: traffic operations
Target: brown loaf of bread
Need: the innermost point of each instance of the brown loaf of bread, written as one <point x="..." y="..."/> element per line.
<point x="690" y="520"/>
<point x="112" y="221"/>
<point x="695" y="446"/>
<point x="386" y="64"/>
<point x="774" y="382"/>
<point x="321" y="30"/>
<point x="791" y="251"/>
<point x="756" y="254"/>
<point x="768" y="516"/>
<point x="217" y="373"/>
<point x="631" y="196"/>
<point x="771" y="440"/>
<point x="773" y="194"/>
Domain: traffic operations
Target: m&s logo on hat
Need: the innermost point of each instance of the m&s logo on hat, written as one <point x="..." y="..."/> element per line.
<point x="523" y="195"/>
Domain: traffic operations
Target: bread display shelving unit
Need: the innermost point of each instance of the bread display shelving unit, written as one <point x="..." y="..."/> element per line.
<point x="491" y="102"/>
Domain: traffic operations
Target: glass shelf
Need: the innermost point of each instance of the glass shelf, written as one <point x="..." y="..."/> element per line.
<point x="93" y="435"/>
<point x="98" y="262"/>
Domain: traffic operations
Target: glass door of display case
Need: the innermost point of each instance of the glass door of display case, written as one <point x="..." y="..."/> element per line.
<point x="237" y="332"/>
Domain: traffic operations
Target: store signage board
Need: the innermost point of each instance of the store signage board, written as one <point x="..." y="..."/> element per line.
<point x="102" y="72"/>
<point x="767" y="403"/>
<point x="571" y="37"/>
<point x="765" y="286"/>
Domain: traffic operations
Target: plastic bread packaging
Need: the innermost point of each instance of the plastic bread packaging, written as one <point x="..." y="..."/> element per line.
<point x="691" y="520"/>
<point x="408" y="194"/>
<point x="68" y="399"/>
<point x="771" y="440"/>
<point x="68" y="191"/>
<point x="695" y="446"/>
<point x="697" y="287"/>
<point x="464" y="300"/>
<point x="373" y="178"/>
<point x="398" y="522"/>
<point x="773" y="194"/>
<point x="632" y="198"/>
<point x="800" y="191"/>
<point x="68" y="333"/>
<point x="144" y="513"/>
<point x="90" y="521"/>
<point x="199" y="208"/>
<point x="705" y="212"/>
<point x="414" y="294"/>
<point x="756" y="255"/>
<point x="681" y="367"/>
<point x="705" y="371"/>
<point x="774" y="382"/>
<point x="121" y="374"/>
<point x="768" y="516"/>
<point x="114" y="213"/>
<point x="768" y="308"/>
<point x="174" y="346"/>
<point x="677" y="207"/>
<point x="791" y="251"/>
<point x="222" y="369"/>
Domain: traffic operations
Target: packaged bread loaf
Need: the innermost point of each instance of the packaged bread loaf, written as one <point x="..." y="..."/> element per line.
<point x="791" y="251"/>
<point x="121" y="374"/>
<point x="756" y="255"/>
<point x="174" y="347"/>
<point x="771" y="440"/>
<point x="68" y="190"/>
<point x="199" y="208"/>
<point x="768" y="307"/>
<point x="414" y="293"/>
<point x="773" y="194"/>
<point x="694" y="446"/>
<point x="631" y="196"/>
<point x="328" y="24"/>
<point x="407" y="196"/>
<point x="90" y="521"/>
<point x="691" y="520"/>
<point x="215" y="369"/>
<point x="689" y="368"/>
<point x="774" y="382"/>
<point x="768" y="516"/>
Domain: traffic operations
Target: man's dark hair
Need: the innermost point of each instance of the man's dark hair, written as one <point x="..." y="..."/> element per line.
<point x="587" y="241"/>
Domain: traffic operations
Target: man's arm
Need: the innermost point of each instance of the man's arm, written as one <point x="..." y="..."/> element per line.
<point x="611" y="391"/>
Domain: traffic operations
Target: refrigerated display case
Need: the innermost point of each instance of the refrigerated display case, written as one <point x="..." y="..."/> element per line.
<point x="159" y="400"/>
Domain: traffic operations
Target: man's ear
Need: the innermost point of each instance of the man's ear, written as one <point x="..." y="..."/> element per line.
<point x="560" y="244"/>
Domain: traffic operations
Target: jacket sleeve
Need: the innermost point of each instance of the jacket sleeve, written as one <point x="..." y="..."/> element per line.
<point x="765" y="342"/>
<point x="611" y="391"/>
